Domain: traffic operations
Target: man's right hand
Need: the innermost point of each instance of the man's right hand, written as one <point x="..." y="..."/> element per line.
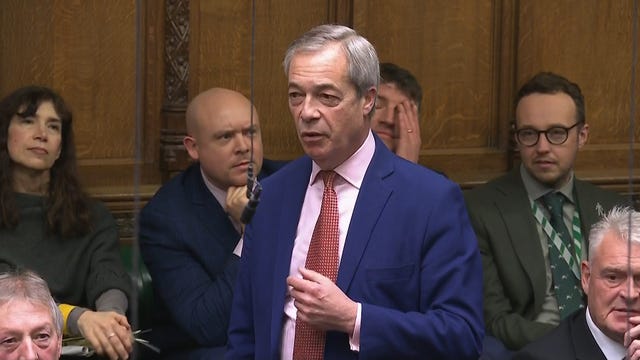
<point x="236" y="201"/>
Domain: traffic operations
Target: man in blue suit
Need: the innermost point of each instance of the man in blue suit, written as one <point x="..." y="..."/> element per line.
<point x="190" y="230"/>
<point x="409" y="279"/>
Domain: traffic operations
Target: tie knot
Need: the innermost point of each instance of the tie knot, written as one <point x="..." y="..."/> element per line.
<point x="327" y="177"/>
<point x="554" y="201"/>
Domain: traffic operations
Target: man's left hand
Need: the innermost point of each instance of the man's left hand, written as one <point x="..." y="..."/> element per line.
<point x="408" y="141"/>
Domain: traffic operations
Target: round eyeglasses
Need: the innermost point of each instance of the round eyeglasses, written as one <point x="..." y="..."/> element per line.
<point x="556" y="135"/>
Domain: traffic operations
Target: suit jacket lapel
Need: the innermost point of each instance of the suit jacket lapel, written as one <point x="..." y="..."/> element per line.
<point x="584" y="344"/>
<point x="293" y="189"/>
<point x="514" y="209"/>
<point x="372" y="197"/>
<point x="211" y="214"/>
<point x="587" y="208"/>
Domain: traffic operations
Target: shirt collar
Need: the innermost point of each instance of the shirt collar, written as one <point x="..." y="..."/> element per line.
<point x="219" y="194"/>
<point x="353" y="169"/>
<point x="610" y="348"/>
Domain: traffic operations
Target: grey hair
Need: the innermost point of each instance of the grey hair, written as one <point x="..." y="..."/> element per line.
<point x="624" y="222"/>
<point x="27" y="285"/>
<point x="363" y="66"/>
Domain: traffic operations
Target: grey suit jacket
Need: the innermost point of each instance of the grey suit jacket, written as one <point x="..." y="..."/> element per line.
<point x="512" y="258"/>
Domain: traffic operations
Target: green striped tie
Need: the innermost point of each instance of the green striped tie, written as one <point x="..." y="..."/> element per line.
<point x="566" y="285"/>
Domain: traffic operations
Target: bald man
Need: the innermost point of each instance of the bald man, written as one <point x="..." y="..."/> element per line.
<point x="190" y="231"/>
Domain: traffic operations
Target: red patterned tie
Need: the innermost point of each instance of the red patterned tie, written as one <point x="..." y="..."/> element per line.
<point x="322" y="257"/>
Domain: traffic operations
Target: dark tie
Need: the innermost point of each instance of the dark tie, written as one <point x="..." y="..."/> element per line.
<point x="566" y="285"/>
<point x="322" y="257"/>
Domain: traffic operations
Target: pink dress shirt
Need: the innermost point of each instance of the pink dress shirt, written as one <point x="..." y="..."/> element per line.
<point x="347" y="186"/>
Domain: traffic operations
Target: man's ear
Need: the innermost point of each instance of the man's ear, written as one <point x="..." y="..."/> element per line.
<point x="585" y="275"/>
<point x="369" y="101"/>
<point x="192" y="147"/>
<point x="583" y="135"/>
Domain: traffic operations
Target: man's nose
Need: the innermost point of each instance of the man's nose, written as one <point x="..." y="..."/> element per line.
<point x="28" y="350"/>
<point x="543" y="145"/>
<point x="243" y="142"/>
<point x="309" y="109"/>
<point x="388" y="115"/>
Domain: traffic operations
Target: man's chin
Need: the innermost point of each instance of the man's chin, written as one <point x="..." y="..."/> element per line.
<point x="548" y="178"/>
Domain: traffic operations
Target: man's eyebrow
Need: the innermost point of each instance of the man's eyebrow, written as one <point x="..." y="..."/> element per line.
<point x="323" y="87"/>
<point x="224" y="131"/>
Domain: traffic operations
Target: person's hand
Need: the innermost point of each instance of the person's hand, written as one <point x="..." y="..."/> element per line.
<point x="236" y="201"/>
<point x="632" y="339"/>
<point x="108" y="332"/>
<point x="321" y="303"/>
<point x="408" y="139"/>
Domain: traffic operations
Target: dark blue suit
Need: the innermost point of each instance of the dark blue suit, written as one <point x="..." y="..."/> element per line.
<point x="572" y="339"/>
<point x="410" y="257"/>
<point x="187" y="242"/>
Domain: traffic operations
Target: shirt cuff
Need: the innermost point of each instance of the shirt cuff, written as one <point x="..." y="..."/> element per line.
<point x="354" y="341"/>
<point x="238" y="250"/>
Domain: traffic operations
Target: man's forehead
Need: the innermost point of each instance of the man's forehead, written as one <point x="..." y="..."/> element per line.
<point x="391" y="91"/>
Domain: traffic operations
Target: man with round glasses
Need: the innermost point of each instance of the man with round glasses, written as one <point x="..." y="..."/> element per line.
<point x="532" y="223"/>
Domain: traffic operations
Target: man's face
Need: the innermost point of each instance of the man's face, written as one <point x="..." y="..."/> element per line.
<point x="611" y="290"/>
<point x="384" y="120"/>
<point x="34" y="142"/>
<point x="550" y="164"/>
<point x="27" y="332"/>
<point x="331" y="120"/>
<point x="222" y="143"/>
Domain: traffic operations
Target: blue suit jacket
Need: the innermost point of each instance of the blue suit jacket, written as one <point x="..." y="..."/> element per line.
<point x="410" y="258"/>
<point x="187" y="242"/>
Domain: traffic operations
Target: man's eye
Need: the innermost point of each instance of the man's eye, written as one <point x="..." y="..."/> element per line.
<point x="9" y="342"/>
<point x="43" y="337"/>
<point x="613" y="279"/>
<point x="329" y="100"/>
<point x="295" y="98"/>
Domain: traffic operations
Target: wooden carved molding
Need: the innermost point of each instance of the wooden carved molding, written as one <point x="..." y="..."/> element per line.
<point x="176" y="83"/>
<point x="174" y="157"/>
<point x="176" y="53"/>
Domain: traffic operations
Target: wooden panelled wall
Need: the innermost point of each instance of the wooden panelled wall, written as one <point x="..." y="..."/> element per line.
<point x="128" y="73"/>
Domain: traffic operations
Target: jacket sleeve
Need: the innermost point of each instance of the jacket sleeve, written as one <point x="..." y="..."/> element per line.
<point x="106" y="269"/>
<point x="502" y="321"/>
<point x="197" y="299"/>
